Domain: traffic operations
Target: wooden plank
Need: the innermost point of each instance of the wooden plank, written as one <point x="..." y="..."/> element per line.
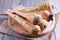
<point x="6" y="5"/>
<point x="1" y="5"/>
<point x="14" y="4"/>
<point x="1" y="36"/>
<point x="6" y="37"/>
<point x="3" y="14"/>
<point x="18" y="38"/>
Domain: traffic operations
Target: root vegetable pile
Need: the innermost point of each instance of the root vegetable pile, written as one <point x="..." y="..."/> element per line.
<point x="31" y="20"/>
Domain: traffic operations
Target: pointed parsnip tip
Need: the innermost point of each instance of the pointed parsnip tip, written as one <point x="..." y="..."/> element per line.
<point x="8" y="10"/>
<point x="11" y="10"/>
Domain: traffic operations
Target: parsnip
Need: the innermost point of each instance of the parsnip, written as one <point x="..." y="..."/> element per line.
<point x="29" y="16"/>
<point x="41" y="17"/>
<point x="43" y="24"/>
<point x="37" y="18"/>
<point x="46" y="15"/>
<point x="27" y="25"/>
<point x="17" y="27"/>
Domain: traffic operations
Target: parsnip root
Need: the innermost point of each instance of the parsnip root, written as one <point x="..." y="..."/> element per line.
<point x="27" y="25"/>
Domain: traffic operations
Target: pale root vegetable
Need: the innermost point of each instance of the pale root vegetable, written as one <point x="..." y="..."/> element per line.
<point x="43" y="24"/>
<point x="44" y="11"/>
<point x="27" y="25"/>
<point x="46" y="15"/>
<point x="31" y="17"/>
<point x="17" y="27"/>
<point x="36" y="19"/>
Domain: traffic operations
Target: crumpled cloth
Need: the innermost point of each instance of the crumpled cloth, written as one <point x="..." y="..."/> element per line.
<point x="5" y="29"/>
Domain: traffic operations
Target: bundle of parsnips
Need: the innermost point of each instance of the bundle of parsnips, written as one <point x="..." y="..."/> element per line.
<point x="31" y="21"/>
